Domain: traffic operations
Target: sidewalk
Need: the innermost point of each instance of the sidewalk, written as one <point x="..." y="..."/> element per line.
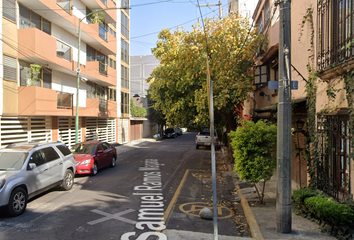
<point x="262" y="218"/>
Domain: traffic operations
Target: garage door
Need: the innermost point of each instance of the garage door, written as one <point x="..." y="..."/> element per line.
<point x="67" y="130"/>
<point x="24" y="129"/>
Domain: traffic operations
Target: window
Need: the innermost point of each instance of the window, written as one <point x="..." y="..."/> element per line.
<point x="112" y="63"/>
<point x="26" y="78"/>
<point x="335" y="32"/>
<point x="90" y="54"/>
<point x="125" y="51"/>
<point x="37" y="158"/>
<point x="103" y="31"/>
<point x="112" y="94"/>
<point x="29" y="19"/>
<point x="125" y="25"/>
<point x="50" y="154"/>
<point x="64" y="150"/>
<point x="9" y="68"/>
<point x="124" y="102"/>
<point x="124" y="4"/>
<point x="260" y="74"/>
<point x="125" y="77"/>
<point x="343" y="173"/>
<point x="63" y="51"/>
<point x="9" y="9"/>
<point x="64" y="4"/>
<point x="96" y="91"/>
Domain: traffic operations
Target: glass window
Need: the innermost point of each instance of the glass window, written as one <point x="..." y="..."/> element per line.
<point x="50" y="154"/>
<point x="47" y="78"/>
<point x="64" y="150"/>
<point x="9" y="9"/>
<point x="63" y="51"/>
<point x="37" y="158"/>
<point x="29" y="19"/>
<point x="64" y="4"/>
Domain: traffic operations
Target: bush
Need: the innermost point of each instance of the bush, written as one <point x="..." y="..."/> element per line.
<point x="329" y="211"/>
<point x="253" y="145"/>
<point x="300" y="195"/>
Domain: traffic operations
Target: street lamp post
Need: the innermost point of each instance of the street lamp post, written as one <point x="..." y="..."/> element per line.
<point x="78" y="70"/>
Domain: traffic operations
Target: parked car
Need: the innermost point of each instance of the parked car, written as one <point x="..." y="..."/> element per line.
<point x="170" y="133"/>
<point x="203" y="139"/>
<point x="91" y="156"/>
<point x="179" y="131"/>
<point x="28" y="169"/>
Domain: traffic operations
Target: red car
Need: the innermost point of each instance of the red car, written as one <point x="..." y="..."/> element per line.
<point x="93" y="155"/>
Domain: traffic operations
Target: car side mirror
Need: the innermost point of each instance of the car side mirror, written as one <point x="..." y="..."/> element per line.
<point x="31" y="166"/>
<point x="100" y="151"/>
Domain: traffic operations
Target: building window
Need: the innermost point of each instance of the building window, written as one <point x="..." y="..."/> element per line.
<point x="103" y="31"/>
<point x="112" y="94"/>
<point x="124" y="103"/>
<point x="29" y="19"/>
<point x="112" y="63"/>
<point x="9" y="68"/>
<point x="63" y="51"/>
<point x="125" y="77"/>
<point x="125" y="4"/>
<point x="9" y="9"/>
<point x="64" y="4"/>
<point x="124" y="25"/>
<point x="105" y="2"/>
<point x="260" y="74"/>
<point x="90" y="54"/>
<point x="335" y="32"/>
<point x="94" y="90"/>
<point x="44" y="77"/>
<point x="125" y="51"/>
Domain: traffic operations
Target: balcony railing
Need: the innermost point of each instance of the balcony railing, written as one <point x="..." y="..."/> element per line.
<point x="64" y="100"/>
<point x="103" y="68"/>
<point x="103" y="105"/>
<point x="103" y="33"/>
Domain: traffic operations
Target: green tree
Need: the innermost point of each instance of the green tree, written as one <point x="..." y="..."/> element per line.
<point x="136" y="111"/>
<point x="178" y="84"/>
<point x="253" y="145"/>
<point x="33" y="74"/>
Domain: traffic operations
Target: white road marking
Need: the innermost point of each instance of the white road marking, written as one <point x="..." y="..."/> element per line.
<point x="109" y="216"/>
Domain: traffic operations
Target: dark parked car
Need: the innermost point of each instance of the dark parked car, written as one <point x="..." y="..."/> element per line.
<point x="93" y="155"/>
<point x="170" y="133"/>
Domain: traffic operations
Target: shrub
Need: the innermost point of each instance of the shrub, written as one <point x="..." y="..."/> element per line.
<point x="253" y="145"/>
<point x="329" y="211"/>
<point x="300" y="195"/>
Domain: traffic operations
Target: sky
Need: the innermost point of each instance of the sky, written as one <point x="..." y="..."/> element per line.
<point x="149" y="17"/>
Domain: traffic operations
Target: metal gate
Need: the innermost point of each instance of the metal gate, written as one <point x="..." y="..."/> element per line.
<point x="24" y="129"/>
<point x="333" y="166"/>
<point x="67" y="130"/>
<point x="101" y="129"/>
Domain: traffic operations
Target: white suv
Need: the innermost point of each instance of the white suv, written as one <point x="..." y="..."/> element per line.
<point x="28" y="169"/>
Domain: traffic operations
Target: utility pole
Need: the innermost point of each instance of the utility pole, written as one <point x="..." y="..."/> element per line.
<point x="212" y="4"/>
<point x="283" y="205"/>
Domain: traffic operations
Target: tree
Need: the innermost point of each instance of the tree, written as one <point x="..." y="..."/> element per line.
<point x="253" y="145"/>
<point x="178" y="83"/>
<point x="136" y="111"/>
<point x="33" y="74"/>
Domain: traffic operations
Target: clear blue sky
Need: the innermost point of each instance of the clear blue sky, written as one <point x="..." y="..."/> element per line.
<point x="149" y="17"/>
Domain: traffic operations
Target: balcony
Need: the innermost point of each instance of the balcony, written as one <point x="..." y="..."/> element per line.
<point x="99" y="108"/>
<point x="35" y="45"/>
<point x="97" y="71"/>
<point x="33" y="100"/>
<point x="48" y="9"/>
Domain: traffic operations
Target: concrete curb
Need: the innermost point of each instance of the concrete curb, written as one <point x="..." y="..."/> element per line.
<point x="252" y="222"/>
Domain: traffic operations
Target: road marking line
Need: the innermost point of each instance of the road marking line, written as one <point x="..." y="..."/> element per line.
<point x="109" y="216"/>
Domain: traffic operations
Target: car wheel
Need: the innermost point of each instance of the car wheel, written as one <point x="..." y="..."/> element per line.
<point x="113" y="164"/>
<point x="94" y="169"/>
<point x="68" y="180"/>
<point x="18" y="202"/>
<point x="197" y="146"/>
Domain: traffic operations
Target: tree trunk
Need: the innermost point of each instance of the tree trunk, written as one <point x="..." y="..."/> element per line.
<point x="230" y="126"/>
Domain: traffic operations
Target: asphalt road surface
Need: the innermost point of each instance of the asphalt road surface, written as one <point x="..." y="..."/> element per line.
<point x="155" y="186"/>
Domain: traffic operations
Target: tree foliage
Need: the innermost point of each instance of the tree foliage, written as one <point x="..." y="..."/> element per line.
<point x="136" y="111"/>
<point x="178" y="84"/>
<point x="253" y="145"/>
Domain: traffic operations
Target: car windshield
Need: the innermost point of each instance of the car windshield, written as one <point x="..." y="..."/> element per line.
<point x="169" y="130"/>
<point x="83" y="148"/>
<point x="12" y="161"/>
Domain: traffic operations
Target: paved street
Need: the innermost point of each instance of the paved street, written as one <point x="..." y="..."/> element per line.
<point x="156" y="184"/>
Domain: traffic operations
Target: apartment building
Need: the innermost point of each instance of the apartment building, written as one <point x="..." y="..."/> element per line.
<point x="321" y="37"/>
<point x="41" y="77"/>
